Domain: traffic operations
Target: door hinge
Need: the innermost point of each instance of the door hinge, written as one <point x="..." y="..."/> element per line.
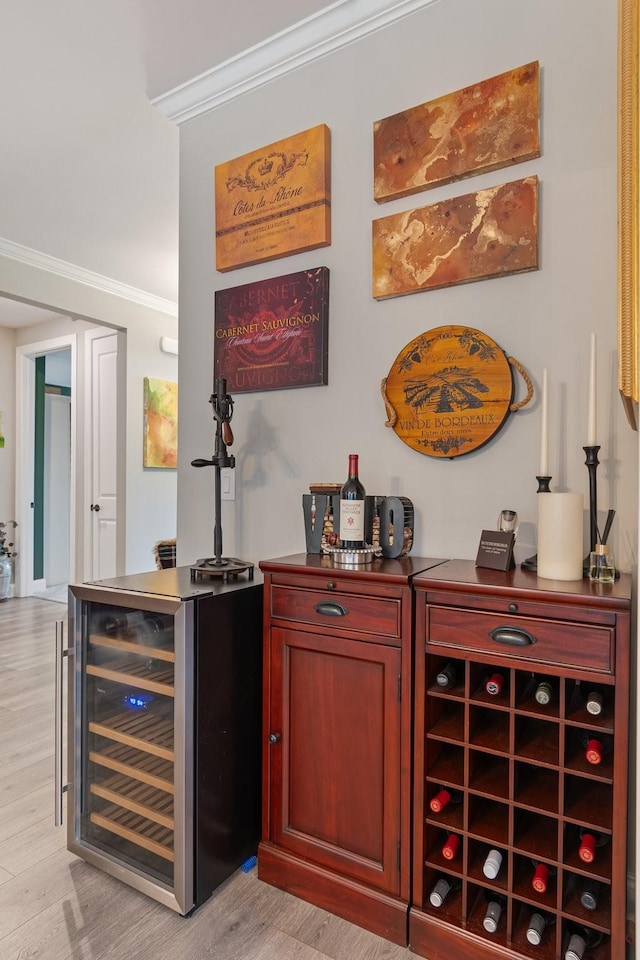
<point x="399" y="688"/>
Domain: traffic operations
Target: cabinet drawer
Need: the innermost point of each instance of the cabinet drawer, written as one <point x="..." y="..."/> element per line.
<point x="542" y="640"/>
<point x="338" y="611"/>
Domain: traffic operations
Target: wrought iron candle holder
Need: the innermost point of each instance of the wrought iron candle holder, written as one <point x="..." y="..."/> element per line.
<point x="531" y="563"/>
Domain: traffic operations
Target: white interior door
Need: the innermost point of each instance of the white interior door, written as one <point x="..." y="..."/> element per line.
<point x="57" y="487"/>
<point x="102" y="447"/>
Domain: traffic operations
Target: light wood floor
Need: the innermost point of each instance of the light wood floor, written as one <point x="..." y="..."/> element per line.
<point x="54" y="906"/>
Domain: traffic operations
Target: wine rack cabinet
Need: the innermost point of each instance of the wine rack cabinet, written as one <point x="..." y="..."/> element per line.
<point x="516" y="769"/>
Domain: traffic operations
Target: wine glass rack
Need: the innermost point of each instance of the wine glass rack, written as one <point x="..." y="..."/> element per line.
<point x="520" y="782"/>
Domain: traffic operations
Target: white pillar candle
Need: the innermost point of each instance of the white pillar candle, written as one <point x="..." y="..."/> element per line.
<point x="591" y="413"/>
<point x="544" y="434"/>
<point x="560" y="550"/>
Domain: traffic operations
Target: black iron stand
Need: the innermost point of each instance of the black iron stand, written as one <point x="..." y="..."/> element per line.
<point x="591" y="461"/>
<point x="218" y="565"/>
<point x="531" y="563"/>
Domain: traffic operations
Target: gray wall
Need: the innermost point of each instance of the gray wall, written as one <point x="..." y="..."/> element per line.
<point x="287" y="439"/>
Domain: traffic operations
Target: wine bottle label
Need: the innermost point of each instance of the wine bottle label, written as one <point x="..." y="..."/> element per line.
<point x="352" y="520"/>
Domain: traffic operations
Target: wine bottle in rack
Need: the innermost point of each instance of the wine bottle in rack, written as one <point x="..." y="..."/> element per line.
<point x="492" y="864"/>
<point x="443" y="797"/>
<point x="590" y="842"/>
<point x="544" y="693"/>
<point x="447" y="677"/>
<point x="596" y="746"/>
<point x="451" y="846"/>
<point x="116" y="620"/>
<point x="542" y="874"/>
<point x="594" y="701"/>
<point x="590" y="894"/>
<point x="538" y="924"/>
<point x="352" y="497"/>
<point x="496" y="903"/>
<point x="581" y="940"/>
<point x="149" y="629"/>
<point x="443" y="887"/>
<point x="496" y="682"/>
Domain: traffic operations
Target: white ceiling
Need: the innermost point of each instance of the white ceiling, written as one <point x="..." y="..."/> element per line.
<point x="89" y="166"/>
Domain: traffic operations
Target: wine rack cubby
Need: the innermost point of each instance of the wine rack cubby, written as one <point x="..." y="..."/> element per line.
<point x="504" y="727"/>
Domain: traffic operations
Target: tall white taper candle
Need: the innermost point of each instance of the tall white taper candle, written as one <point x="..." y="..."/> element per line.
<point x="544" y="435"/>
<point x="591" y="416"/>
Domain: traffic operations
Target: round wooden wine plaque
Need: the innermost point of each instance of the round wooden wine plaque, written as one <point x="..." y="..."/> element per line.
<point x="449" y="391"/>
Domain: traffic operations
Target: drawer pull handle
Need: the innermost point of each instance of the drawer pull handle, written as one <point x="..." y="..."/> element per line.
<point x="330" y="608"/>
<point x="512" y="636"/>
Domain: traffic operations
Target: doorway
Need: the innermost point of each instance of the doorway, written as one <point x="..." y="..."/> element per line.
<point x="31" y="499"/>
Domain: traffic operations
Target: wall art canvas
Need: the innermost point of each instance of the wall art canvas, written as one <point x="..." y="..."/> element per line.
<point x="485" y="234"/>
<point x="482" y="127"/>
<point x="160" y="447"/>
<point x="275" y="201"/>
<point x="273" y="334"/>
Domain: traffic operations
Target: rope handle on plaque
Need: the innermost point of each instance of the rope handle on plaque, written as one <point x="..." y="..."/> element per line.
<point x="450" y="391"/>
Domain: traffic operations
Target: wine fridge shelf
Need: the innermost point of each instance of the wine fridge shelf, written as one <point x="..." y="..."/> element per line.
<point x="162" y="651"/>
<point x="520" y="784"/>
<point x="136" y="672"/>
<point x="136" y="764"/>
<point x="135" y="828"/>
<point x="138" y="797"/>
<point x="145" y="732"/>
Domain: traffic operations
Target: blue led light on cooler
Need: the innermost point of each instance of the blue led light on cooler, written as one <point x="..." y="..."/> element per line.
<point x="137" y="701"/>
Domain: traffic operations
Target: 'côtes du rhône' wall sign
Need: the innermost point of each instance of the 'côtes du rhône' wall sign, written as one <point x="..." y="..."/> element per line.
<point x="450" y="390"/>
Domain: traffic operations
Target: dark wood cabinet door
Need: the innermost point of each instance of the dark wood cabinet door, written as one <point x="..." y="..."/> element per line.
<point x="334" y="754"/>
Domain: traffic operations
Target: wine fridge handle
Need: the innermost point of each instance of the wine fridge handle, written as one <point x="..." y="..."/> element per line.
<point x="61" y="653"/>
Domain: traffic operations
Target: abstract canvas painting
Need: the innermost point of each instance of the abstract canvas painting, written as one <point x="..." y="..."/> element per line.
<point x="489" y="233"/>
<point x="160" y="448"/>
<point x="485" y="126"/>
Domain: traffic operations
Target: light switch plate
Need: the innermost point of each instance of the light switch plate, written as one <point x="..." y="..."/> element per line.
<point x="227" y="483"/>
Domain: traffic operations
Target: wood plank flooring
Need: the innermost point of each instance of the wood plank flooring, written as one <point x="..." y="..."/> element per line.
<point x="54" y="906"/>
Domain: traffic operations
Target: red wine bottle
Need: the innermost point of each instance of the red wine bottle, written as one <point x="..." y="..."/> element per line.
<point x="443" y="797"/>
<point x="590" y="841"/>
<point x="495" y="683"/>
<point x="352" y="497"/>
<point x="450" y="847"/>
<point x="542" y="873"/>
<point x="596" y="746"/>
<point x="581" y="940"/>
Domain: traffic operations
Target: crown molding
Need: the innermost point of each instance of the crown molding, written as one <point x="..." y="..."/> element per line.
<point x="69" y="271"/>
<point x="339" y="24"/>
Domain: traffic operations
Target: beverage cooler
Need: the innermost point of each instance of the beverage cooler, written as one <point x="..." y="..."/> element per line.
<point x="164" y="730"/>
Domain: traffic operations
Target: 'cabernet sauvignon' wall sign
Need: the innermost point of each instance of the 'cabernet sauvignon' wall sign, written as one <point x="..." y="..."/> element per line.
<point x="272" y="334"/>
